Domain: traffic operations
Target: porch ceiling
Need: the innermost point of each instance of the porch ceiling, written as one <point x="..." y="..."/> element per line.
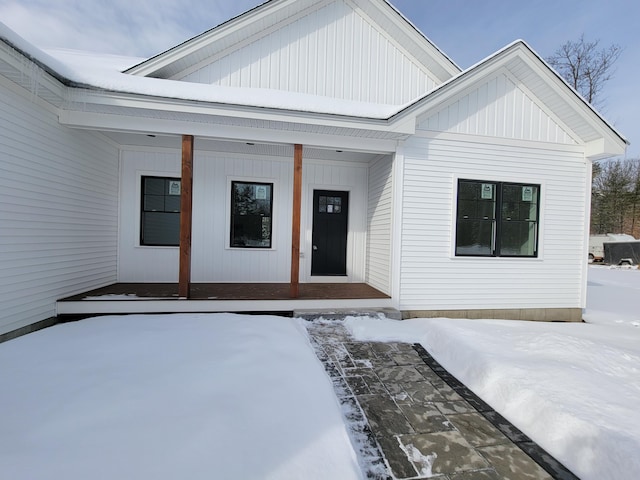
<point x="241" y="148"/>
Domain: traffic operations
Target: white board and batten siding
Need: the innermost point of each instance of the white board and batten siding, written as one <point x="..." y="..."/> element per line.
<point x="433" y="278"/>
<point x="379" y="224"/>
<point x="500" y="107"/>
<point x="340" y="176"/>
<point x="212" y="258"/>
<point x="58" y="210"/>
<point x="334" y="51"/>
<point x="137" y="263"/>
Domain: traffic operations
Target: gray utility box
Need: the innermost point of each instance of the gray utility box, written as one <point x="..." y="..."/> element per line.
<point x="617" y="253"/>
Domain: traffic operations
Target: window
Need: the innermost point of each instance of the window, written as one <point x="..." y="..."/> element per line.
<point x="251" y="211"/>
<point x="160" y="216"/>
<point x="497" y="219"/>
<point x="329" y="204"/>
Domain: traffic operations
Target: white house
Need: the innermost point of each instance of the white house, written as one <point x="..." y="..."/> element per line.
<point x="305" y="141"/>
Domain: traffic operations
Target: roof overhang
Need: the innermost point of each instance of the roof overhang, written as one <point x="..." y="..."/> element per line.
<point x="90" y="107"/>
<point x="253" y="24"/>
<point x="589" y="128"/>
<point x="100" y="110"/>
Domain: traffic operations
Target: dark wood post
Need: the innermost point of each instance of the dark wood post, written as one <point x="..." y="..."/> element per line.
<point x="186" y="203"/>
<point x="295" y="221"/>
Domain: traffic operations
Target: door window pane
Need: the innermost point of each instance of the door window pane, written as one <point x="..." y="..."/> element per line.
<point x="329" y="204"/>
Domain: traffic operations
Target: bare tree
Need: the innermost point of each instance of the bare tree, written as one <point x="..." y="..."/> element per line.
<point x="634" y="220"/>
<point x="585" y="66"/>
<point x="616" y="197"/>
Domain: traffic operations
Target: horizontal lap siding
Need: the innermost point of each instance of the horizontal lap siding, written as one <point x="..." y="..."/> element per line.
<point x="432" y="278"/>
<point x="379" y="225"/>
<point x="58" y="210"/>
<point x="334" y="52"/>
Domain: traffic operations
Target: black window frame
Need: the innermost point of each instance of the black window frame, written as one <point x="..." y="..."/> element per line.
<point x="166" y="211"/>
<point x="234" y="226"/>
<point x="500" y="221"/>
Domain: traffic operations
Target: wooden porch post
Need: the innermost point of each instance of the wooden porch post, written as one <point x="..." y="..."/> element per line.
<point x="186" y="202"/>
<point x="295" y="221"/>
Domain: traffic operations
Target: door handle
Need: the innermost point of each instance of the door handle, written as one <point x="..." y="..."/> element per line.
<point x="315" y="247"/>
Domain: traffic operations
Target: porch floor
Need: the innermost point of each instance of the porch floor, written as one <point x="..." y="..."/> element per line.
<point x="221" y="297"/>
<point x="232" y="291"/>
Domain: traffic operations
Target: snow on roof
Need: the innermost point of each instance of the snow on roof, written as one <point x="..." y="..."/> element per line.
<point x="620" y="237"/>
<point x="93" y="61"/>
<point x="103" y="72"/>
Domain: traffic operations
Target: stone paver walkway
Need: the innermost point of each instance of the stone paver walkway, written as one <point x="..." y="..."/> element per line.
<point x="411" y="419"/>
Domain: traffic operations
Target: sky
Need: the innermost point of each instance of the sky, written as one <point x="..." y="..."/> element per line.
<point x="466" y="30"/>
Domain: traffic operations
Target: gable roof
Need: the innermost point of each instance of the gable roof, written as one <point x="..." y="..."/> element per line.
<point x="275" y="14"/>
<point x="98" y="95"/>
<point x="529" y="69"/>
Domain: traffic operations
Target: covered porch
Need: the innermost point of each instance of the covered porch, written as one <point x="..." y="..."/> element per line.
<point x="205" y="269"/>
<point x="120" y="298"/>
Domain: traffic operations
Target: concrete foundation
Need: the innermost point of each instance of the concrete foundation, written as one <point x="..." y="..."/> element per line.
<point x="535" y="314"/>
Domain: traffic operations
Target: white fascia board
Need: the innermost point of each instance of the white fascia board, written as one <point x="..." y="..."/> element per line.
<point x="124" y="123"/>
<point x="200" y="41"/>
<point x="457" y="85"/>
<point x="401" y="126"/>
<point x="602" y="148"/>
<point x="463" y="81"/>
<point x="179" y="305"/>
<point x="441" y="66"/>
<point x="251" y="37"/>
<point x="422" y="41"/>
<point x="609" y="134"/>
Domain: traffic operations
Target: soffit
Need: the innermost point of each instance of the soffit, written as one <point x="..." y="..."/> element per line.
<point x="240" y="148"/>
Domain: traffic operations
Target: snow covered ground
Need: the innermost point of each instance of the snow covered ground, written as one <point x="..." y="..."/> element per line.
<point x="573" y="388"/>
<point x="233" y="396"/>
<point x="613" y="296"/>
<point x="169" y="397"/>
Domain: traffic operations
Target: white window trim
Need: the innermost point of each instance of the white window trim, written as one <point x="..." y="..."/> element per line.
<point x="274" y="212"/>
<point x="138" y="215"/>
<point x="504" y="179"/>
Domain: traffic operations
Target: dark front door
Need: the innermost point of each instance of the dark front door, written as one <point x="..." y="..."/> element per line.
<point x="330" y="213"/>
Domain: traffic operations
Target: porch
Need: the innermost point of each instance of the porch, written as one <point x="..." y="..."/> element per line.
<point x="120" y="298"/>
